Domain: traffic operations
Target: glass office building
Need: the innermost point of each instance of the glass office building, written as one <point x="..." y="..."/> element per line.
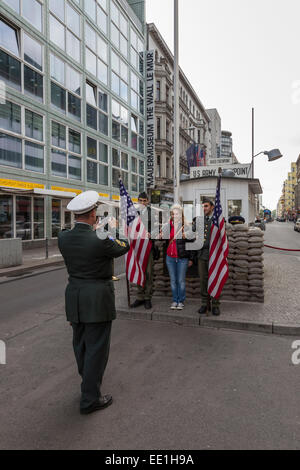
<point x="72" y="108"/>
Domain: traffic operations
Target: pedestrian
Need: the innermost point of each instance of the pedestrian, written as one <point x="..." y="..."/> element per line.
<point x="178" y="258"/>
<point x="90" y="297"/>
<point x="144" y="295"/>
<point x="203" y="261"/>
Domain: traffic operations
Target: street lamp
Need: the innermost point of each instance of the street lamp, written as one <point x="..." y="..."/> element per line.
<point x="228" y="174"/>
<point x="272" y="155"/>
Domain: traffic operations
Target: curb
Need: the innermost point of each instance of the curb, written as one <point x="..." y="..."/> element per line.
<point x="211" y="322"/>
<point x="27" y="269"/>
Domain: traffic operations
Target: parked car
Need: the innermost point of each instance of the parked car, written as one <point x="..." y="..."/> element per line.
<point x="297" y="226"/>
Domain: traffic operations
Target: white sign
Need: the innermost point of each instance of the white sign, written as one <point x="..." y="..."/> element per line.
<point x="240" y="171"/>
<point x="220" y="161"/>
<point x="150" y="120"/>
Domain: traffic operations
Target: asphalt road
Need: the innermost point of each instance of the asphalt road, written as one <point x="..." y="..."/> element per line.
<point x="282" y="235"/>
<point x="174" y="387"/>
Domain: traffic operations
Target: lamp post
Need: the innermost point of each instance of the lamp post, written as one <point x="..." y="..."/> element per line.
<point x="176" y="105"/>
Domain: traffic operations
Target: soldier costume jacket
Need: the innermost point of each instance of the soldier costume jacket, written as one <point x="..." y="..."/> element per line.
<point x="90" y="296"/>
<point x="204" y="252"/>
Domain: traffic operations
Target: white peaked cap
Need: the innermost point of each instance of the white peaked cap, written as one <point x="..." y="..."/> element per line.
<point x="84" y="202"/>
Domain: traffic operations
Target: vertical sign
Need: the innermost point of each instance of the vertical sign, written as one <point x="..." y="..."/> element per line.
<point x="150" y="120"/>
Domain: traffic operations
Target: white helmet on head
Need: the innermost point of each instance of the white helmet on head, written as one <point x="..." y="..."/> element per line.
<point x="84" y="202"/>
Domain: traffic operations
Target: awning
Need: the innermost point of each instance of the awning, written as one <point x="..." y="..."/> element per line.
<point x="9" y="190"/>
<point x="53" y="193"/>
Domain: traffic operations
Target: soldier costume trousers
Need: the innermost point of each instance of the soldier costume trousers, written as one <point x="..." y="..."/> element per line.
<point x="146" y="292"/>
<point x="91" y="343"/>
<point x="203" y="274"/>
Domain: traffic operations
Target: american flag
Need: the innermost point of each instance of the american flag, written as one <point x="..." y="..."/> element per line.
<point x="140" y="245"/>
<point x="218" y="250"/>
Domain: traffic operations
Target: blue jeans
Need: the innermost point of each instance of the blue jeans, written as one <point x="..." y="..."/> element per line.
<point x="177" y="268"/>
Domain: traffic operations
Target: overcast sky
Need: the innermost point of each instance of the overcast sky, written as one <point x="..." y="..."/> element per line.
<point x="240" y="54"/>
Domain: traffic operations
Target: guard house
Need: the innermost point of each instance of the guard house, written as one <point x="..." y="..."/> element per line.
<point x="239" y="194"/>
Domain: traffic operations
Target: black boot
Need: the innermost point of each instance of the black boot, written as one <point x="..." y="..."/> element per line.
<point x="216" y="311"/>
<point x="137" y="303"/>
<point x="202" y="310"/>
<point x="148" y="304"/>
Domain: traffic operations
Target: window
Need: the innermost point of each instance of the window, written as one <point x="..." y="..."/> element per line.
<point x="23" y="217"/>
<point x="119" y="123"/>
<point x="66" y="160"/>
<point x="56" y="217"/>
<point x="31" y="10"/>
<point x="65" y="98"/>
<point x="33" y="125"/>
<point x="10" y="117"/>
<point x="39" y="218"/>
<point x="96" y="109"/>
<point x="96" y="54"/>
<point x="234" y="207"/>
<point x="10" y="151"/>
<point x="6" y="217"/>
<point x="12" y="69"/>
<point x="137" y="134"/>
<point x="119" y="30"/>
<point x="119" y="76"/>
<point x="97" y="9"/>
<point x="120" y="166"/>
<point x="136" y="52"/>
<point x="58" y="135"/>
<point x="137" y="93"/>
<point x="158" y="128"/>
<point x="158" y="169"/>
<point x="23" y="150"/>
<point x="34" y="157"/>
<point x="33" y="83"/>
<point x="65" y="28"/>
<point x="9" y="38"/>
<point x="97" y="162"/>
<point x="33" y="52"/>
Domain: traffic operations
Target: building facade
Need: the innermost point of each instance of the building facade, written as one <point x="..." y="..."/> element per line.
<point x="194" y="120"/>
<point x="226" y="145"/>
<point x="288" y="202"/>
<point x="297" y="188"/>
<point x="215" y="135"/>
<point x="72" y="111"/>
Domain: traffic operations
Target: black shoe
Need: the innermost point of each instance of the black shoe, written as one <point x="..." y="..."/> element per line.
<point x="216" y="311"/>
<point x="103" y="402"/>
<point x="137" y="303"/>
<point x="148" y="304"/>
<point x="202" y="310"/>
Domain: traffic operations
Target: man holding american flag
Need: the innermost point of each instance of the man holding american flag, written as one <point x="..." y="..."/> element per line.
<point x="140" y="245"/>
<point x="212" y="258"/>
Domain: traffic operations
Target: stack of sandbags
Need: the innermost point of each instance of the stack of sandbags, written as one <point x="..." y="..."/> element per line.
<point x="245" y="259"/>
<point x="246" y="271"/>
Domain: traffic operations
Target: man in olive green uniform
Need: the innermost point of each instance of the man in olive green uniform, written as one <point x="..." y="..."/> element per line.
<point x="144" y="296"/>
<point x="203" y="260"/>
<point x="90" y="297"/>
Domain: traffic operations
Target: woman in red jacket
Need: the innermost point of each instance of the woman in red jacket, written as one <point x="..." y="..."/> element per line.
<point x="178" y="257"/>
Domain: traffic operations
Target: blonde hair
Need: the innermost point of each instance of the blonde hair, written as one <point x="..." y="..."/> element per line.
<point x="178" y="207"/>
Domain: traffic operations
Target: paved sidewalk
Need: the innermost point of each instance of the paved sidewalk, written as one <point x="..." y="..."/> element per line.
<point x="32" y="260"/>
<point x="280" y="314"/>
